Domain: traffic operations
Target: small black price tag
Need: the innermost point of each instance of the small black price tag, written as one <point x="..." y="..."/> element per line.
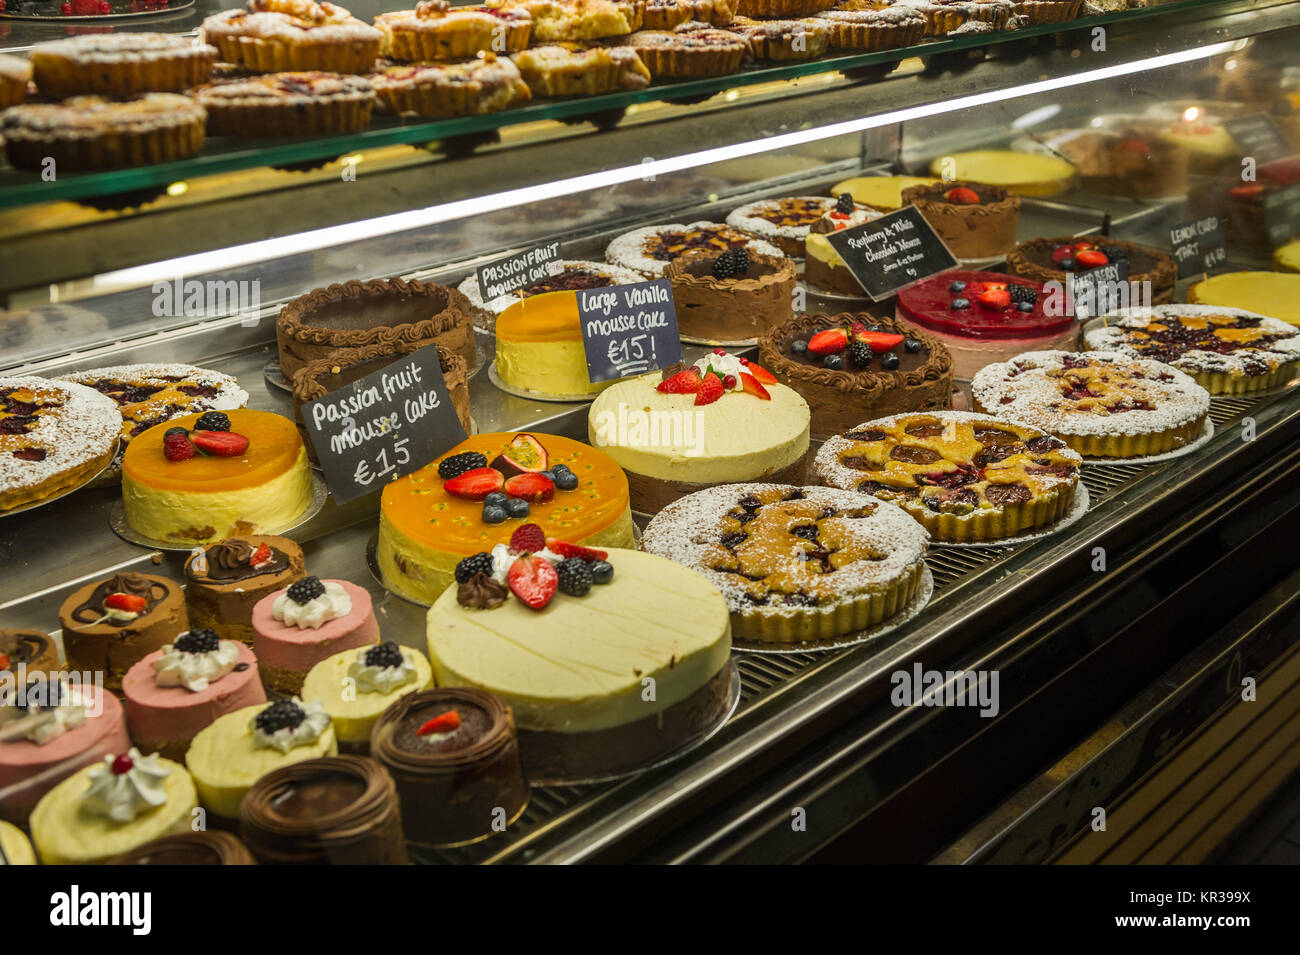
<point x="1282" y="214"/>
<point x="383" y="426"/>
<point x="891" y="252"/>
<point x="512" y="272"/>
<point x="1101" y="290"/>
<point x="1258" y="137"/>
<point x="1198" y="246"/>
<point x="629" y="329"/>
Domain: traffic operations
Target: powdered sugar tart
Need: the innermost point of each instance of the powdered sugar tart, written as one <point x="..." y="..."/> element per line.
<point x="1103" y="404"/>
<point x="795" y="564"/>
<point x="574" y="274"/>
<point x="276" y="36"/>
<point x="120" y="64"/>
<point x="54" y="436"/>
<point x="1229" y="351"/>
<point x="784" y="221"/>
<point x="964" y="476"/>
<point x="648" y="250"/>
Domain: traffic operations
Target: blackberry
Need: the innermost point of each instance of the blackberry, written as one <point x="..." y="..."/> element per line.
<point x="1114" y="253"/>
<point x="518" y="507"/>
<point x="740" y="260"/>
<point x="458" y="464"/>
<point x="602" y="571"/>
<point x="833" y="362"/>
<point x="889" y="361"/>
<point x="844" y="203"/>
<point x="212" y="421"/>
<point x="1022" y="293"/>
<point x="575" y="577"/>
<point x="197" y="641"/>
<point x="285" y="714"/>
<point x="480" y="563"/>
<point x="860" y="354"/>
<point x="386" y="654"/>
<point x="306" y="590"/>
<point x="723" y="266"/>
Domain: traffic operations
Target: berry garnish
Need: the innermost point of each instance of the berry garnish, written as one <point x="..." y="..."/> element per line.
<point x="1091" y="258"/>
<point x="995" y="298"/>
<point x="751" y="386"/>
<point x="177" y="445"/>
<point x="833" y="362"/>
<point x="527" y="539"/>
<point x="130" y="603"/>
<point x="723" y="266"/>
<point x="711" y="389"/>
<point x="447" y="722"/>
<point x="535" y="488"/>
<point x="1025" y="307"/>
<point x="764" y="376"/>
<point x="566" y="481"/>
<point x="197" y="641"/>
<point x="683" y="383"/>
<point x="1022" y="293"/>
<point x="728" y="382"/>
<point x="1115" y="253"/>
<point x="224" y="444"/>
<point x="957" y="286"/>
<point x="122" y="765"/>
<point x="213" y="421"/>
<point x="889" y="361"/>
<point x="960" y="304"/>
<point x="283" y="715"/>
<point x="1134" y="146"/>
<point x="960" y="195"/>
<point x="476" y="484"/>
<point x="306" y="590"/>
<point x="494" y="514"/>
<point x="260" y="556"/>
<point x="517" y="507"/>
<point x="844" y="203"/>
<point x="799" y="347"/>
<point x="602" y="571"/>
<point x="911" y="345"/>
<point x="480" y="563"/>
<point x="1067" y="264"/>
<point x="881" y="341"/>
<point x="565" y="549"/>
<point x="386" y="654"/>
<point x="497" y="498"/>
<point x="860" y="354"/>
<point x="458" y="464"/>
<point x="523" y="455"/>
<point x="573" y="577"/>
<point x="829" y="342"/>
<point x="739" y="260"/>
<point x="4" y="661"/>
<point x="533" y="580"/>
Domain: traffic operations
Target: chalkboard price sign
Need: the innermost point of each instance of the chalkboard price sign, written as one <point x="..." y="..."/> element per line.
<point x="891" y="252"/>
<point x="512" y="272"/>
<point x="629" y="329"/>
<point x="1282" y="214"/>
<point x="1098" y="291"/>
<point x="1198" y="246"/>
<point x="1258" y="137"/>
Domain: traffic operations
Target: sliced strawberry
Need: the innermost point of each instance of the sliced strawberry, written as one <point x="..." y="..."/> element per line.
<point x="962" y="196"/>
<point x="131" y="603"/>
<point x="224" y="444"/>
<point x="476" y="484"/>
<point x="760" y="373"/>
<point x="711" y="389"/>
<point x="565" y="549"/>
<point x="527" y="539"/>
<point x="260" y="556"/>
<point x="1091" y="258"/>
<point x="1062" y="252"/>
<point x="995" y="298"/>
<point x="442" y="723"/>
<point x="1249" y="189"/>
<point x="1084" y="244"/>
<point x="537" y="488"/>
<point x="683" y="383"/>
<point x="881" y="341"/>
<point x="533" y="580"/>
<point x="177" y="445"/>
<point x="751" y="386"/>
<point x="829" y="342"/>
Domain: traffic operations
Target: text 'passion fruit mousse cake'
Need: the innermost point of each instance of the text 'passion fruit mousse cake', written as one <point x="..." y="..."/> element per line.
<point x="475" y="496"/>
<point x="796" y="565"/>
<point x="185" y="485"/>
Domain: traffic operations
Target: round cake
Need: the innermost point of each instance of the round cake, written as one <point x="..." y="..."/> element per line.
<point x="648" y="250"/>
<point x="1275" y="294"/>
<point x="824" y="268"/>
<point x="225" y="580"/>
<point x="1025" y="174"/>
<point x="540" y="349"/>
<point x="27" y="652"/>
<point x="1054" y="260"/>
<point x="311" y="619"/>
<point x="730" y="298"/>
<point x="882" y="193"/>
<point x="975" y="221"/>
<point x="1136" y="162"/>
<point x="356" y="686"/>
<point x="1287" y="257"/>
<point x="783" y="222"/>
<point x="206" y="847"/>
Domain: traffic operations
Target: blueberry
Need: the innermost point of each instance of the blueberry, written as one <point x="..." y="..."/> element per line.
<point x="799" y="347"/>
<point x="517" y="507"/>
<point x="566" y="481"/>
<point x="875" y="328"/>
<point x="959" y="304"/>
<point x="957" y="286"/>
<point x="1025" y="306"/>
<point x="1067" y="265"/>
<point x="833" y="362"/>
<point x="496" y="499"/>
<point x="889" y="361"/>
<point x="911" y="345"/>
<point x="602" y="571"/>
<point x="561" y="469"/>
<point x="492" y="514"/>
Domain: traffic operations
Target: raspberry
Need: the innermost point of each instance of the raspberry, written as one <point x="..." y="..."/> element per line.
<point x="528" y="539"/>
<point x="177" y="445"/>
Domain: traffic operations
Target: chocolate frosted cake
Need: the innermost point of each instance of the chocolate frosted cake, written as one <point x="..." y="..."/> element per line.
<point x="108" y="626"/>
<point x="209" y="847"/>
<point x="31" y="649"/>
<point x="225" y="580"/>
<point x="458" y="777"/>
<point x="974" y="221"/>
<point x="1052" y="260"/>
<point x="355" y="314"/>
<point x="730" y="298"/>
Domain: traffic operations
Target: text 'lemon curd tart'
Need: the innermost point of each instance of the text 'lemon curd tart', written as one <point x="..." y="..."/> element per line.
<point x="207" y="496"/>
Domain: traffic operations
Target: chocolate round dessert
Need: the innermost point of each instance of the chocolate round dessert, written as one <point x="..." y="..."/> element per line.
<point x="209" y="847"/>
<point x="337" y="810"/>
<point x="459" y="783"/>
<point x="109" y="625"/>
<point x="224" y="581"/>
<point x="883" y="367"/>
<point x="30" y="649"/>
<point x="973" y="220"/>
<point x="731" y="298"/>
<point x="1046" y="260"/>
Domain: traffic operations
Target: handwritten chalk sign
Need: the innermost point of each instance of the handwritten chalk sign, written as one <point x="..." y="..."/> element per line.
<point x="1258" y="137"/>
<point x="383" y="426"/>
<point x="1101" y="290"/>
<point x="891" y="252"/>
<point x="1198" y="246"/>
<point x="514" y="271"/>
<point x="629" y="329"/>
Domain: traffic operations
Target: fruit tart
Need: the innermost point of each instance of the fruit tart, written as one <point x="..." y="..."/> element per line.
<point x="14" y="74"/>
<point x="648" y="250"/>
<point x="570" y="69"/>
<point x="435" y="30"/>
<point x="120" y="64"/>
<point x="572" y="275"/>
<point x="944" y="16"/>
<point x="667" y="14"/>
<point x="716" y="13"/>
<point x="580" y="20"/>
<point x="689" y="50"/>
<point x="287" y="104"/>
<point x="973" y="220"/>
<point x="783" y="222"/>
<point x="730" y="298"/>
<point x="1102" y="404"/>
<point x="780" y="40"/>
<point x="485" y="84"/>
<point x="885" y="29"/>
<point x="777" y="9"/>
<point x="277" y="36"/>
<point x="795" y="564"/>
<point x="1054" y="260"/>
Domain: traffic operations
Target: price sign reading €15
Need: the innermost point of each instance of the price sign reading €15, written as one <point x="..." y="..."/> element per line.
<point x="629" y="329"/>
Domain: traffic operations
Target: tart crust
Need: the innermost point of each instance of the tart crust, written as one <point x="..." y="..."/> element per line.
<point x="287" y="104"/>
<point x="689" y="52"/>
<point x="486" y="84"/>
<point x="14" y="74"/>
<point x="435" y="30"/>
<point x="778" y="9"/>
<point x="569" y="69"/>
<point x="776" y="39"/>
<point x="559" y="20"/>
<point x="1163" y="277"/>
<point x="886" y="29"/>
<point x="284" y="36"/>
<point x="784" y="222"/>
<point x="716" y="13"/>
<point x="667" y="14"/>
<point x="120" y="64"/>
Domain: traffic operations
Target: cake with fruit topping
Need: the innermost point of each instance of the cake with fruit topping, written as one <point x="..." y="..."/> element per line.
<point x="572" y="69"/>
<point x="690" y="50"/>
<point x="572" y="655"/>
<point x="882" y="193"/>
<point x="648" y="250"/>
<point x="823" y="266"/>
<point x="1026" y="174"/>
<point x="207" y="477"/>
<point x="572" y="275"/>
<point x="731" y="298"/>
<point x="1055" y="260"/>
<point x="724" y="420"/>
<point x="303" y="103"/>
<point x="1102" y="404"/>
<point x="478" y="493"/>
<point x="356" y="686"/>
<point x="274" y="36"/>
<point x="853" y="367"/>
<point x="435" y="30"/>
<point x="783" y="222"/>
<point x="965" y="477"/>
<point x="225" y="580"/>
<point x="795" y="564"/>
<point x="31" y="650"/>
<point x="311" y="619"/>
<point x="1226" y="350"/>
<point x="974" y="221"/>
<point x="109" y="625"/>
<point x="1275" y="294"/>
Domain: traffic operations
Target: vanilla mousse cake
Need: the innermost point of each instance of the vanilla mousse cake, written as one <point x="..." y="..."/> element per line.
<point x="186" y="485"/>
<point x="540" y="349"/>
<point x="1026" y="174"/>
<point x="882" y="193"/>
<point x="824" y="268"/>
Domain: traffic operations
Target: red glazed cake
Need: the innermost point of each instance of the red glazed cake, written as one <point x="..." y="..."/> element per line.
<point x="296" y="628"/>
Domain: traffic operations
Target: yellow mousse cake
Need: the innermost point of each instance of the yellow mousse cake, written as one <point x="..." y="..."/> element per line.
<point x="427" y="524"/>
<point x="356" y="686"/>
<point x="1026" y="174"/>
<point x="883" y="193"/>
<point x="1287" y="258"/>
<point x="17" y="850"/>
<point x="1275" y="294"/>
<point x="602" y="682"/>
<point x="539" y="346"/>
<point x="252" y="479"/>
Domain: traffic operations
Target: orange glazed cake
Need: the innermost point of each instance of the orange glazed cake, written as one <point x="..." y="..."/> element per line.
<point x="539" y="346"/>
<point x="480" y="492"/>
<point x="197" y="479"/>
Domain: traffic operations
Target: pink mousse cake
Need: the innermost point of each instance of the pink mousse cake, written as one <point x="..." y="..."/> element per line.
<point x="73" y="738"/>
<point x="296" y="628"/>
<point x="174" y="692"/>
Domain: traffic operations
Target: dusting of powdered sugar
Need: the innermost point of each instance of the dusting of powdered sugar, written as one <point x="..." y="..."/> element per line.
<point x="82" y="427"/>
<point x="628" y="249"/>
<point x="1116" y="336"/>
<point x="749" y="217"/>
<point x="617" y="274"/>
<point x="228" y="397"/>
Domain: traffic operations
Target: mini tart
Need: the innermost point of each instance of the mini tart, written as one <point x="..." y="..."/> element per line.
<point x="287" y="104"/>
<point x="54" y="436"/>
<point x="568" y="69"/>
<point x="354" y="710"/>
<point x="794" y="564"/>
<point x="1033" y="260"/>
<point x="486" y="84"/>
<point x="1226" y="350"/>
<point x="435" y="30"/>
<point x="576" y="274"/>
<point x="944" y="16"/>
<point x="1026" y="174"/>
<point x="1102" y="404"/>
<point x="280" y="36"/>
<point x="667" y="14"/>
<point x="977" y="230"/>
<point x="1276" y="294"/>
<point x="783" y="222"/>
<point x="648" y="250"/>
<point x="965" y="477"/>
<point x="92" y="132"/>
<point x="14" y="74"/>
<point x="31" y="649"/>
<point x="120" y="64"/>
<point x="776" y="9"/>
<point x="559" y="20"/>
<point x="882" y="193"/>
<point x="689" y="51"/>
<point x="886" y="29"/>
<point x="779" y="40"/>
<point x="223" y="586"/>
<point x="1048" y="11"/>
<point x="732" y="309"/>
<point x="716" y="13"/>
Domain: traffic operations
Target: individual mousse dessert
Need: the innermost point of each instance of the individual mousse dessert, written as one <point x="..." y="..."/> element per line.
<point x="24" y="652"/>
<point x="225" y="580"/>
<point x="246" y="472"/>
<point x="175" y="692"/>
<point x="974" y="221"/>
<point x="568" y="637"/>
<point x="337" y="810"/>
<point x="730" y="298"/>
<point x="206" y="847"/>
<point x="15" y="849"/>
<point x="482" y="490"/>
<point x="110" y="625"/>
<point x="454" y="756"/>
<point x="238" y="749"/>
<point x="1275" y="294"/>
<point x="573" y="275"/>
<point x="783" y="222"/>
<point x="1055" y="260"/>
<point x="356" y="686"/>
<point x="724" y="420"/>
<point x="126" y="800"/>
<point x="296" y="628"/>
<point x="824" y="268"/>
<point x="852" y="367"/>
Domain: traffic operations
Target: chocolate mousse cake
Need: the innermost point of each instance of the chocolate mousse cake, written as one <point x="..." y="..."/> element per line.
<point x="454" y="756"/>
<point x="974" y="221"/>
<point x="730" y="298"/>
<point x="30" y="649"/>
<point x="224" y="581"/>
<point x="1053" y="260"/>
<point x="336" y="810"/>
<point x="108" y="626"/>
<point x="206" y="847"/>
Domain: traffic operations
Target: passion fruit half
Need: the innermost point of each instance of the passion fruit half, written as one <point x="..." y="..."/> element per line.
<point x="523" y="455"/>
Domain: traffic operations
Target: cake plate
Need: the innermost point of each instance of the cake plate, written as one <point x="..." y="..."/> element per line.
<point x="816" y="292"/>
<point x="534" y="395"/>
<point x="1076" y="511"/>
<point x="274" y="374"/>
<point x="1206" y="434"/>
<point x="32" y="505"/>
<point x="742" y="343"/>
<point x="117" y="521"/>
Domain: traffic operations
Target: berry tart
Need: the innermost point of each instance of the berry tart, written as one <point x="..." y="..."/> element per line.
<point x="120" y="64"/>
<point x="15" y="849"/>
<point x="110" y="625"/>
<point x="775" y="9"/>
<point x="454" y="747"/>
<point x="574" y="275"/>
<point x="276" y="36"/>
<point x="175" y="692"/>
<point x="730" y="298"/>
<point x="781" y="40"/>
<point x="882" y="193"/>
<point x="853" y="367"/>
<point x="311" y="619"/>
<point x="27" y="651"/>
<point x="54" y="437"/>
<point x="206" y="847"/>
<point x="723" y="420"/>
<point x="783" y="222"/>
<point x="1026" y="174"/>
<point x="1054" y="260"/>
<point x="795" y="564"/>
<point x="886" y="29"/>
<point x="356" y="686"/>
<point x="188" y="485"/>
<point x="570" y="644"/>
<point x="1276" y="294"/>
<point x="689" y="50"/>
<point x="287" y="104"/>
<point x="224" y="581"/>
<point x="1226" y="350"/>
<point x="435" y="30"/>
<point x="1102" y="404"/>
<point x="974" y="221"/>
<point x="15" y="72"/>
<point x="648" y="250"/>
<point x="227" y="757"/>
<point x="580" y="20"/>
<point x="667" y="14"/>
<point x="486" y="490"/>
<point x="965" y="477"/>
<point x="570" y="69"/>
<point x="486" y="84"/>
<point x="824" y="268"/>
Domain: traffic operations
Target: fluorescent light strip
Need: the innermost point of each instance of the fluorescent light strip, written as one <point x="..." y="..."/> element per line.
<point x="239" y="255"/>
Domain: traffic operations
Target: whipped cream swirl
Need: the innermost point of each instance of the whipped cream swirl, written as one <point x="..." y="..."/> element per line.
<point x="332" y="604"/>
<point x="121" y="796"/>
<point x="41" y="722"/>
<point x="723" y="365"/>
<point x="374" y="679"/>
<point x="314" y="724"/>
<point x="194" y="671"/>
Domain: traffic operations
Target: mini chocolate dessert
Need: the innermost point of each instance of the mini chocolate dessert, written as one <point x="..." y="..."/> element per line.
<point x="208" y="847"/>
<point x="1052" y="260"/>
<point x="31" y="649"/>
<point x="974" y="221"/>
<point x="455" y="759"/>
<point x="108" y="626"/>
<point x="732" y="298"/>
<point x="226" y="580"/>
<point x="337" y="810"/>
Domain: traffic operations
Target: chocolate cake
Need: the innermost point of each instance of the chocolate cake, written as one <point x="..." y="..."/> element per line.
<point x="974" y="221"/>
<point x="31" y="649"/>
<point x="207" y="847"/>
<point x="718" y="303"/>
<point x="225" y="580"/>
<point x="1037" y="259"/>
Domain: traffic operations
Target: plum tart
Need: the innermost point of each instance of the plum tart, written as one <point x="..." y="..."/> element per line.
<point x="120" y="64"/>
<point x="435" y="30"/>
<point x="486" y="84"/>
<point x="570" y="69"/>
<point x="287" y="104"/>
<point x="783" y="222"/>
<point x="648" y="250"/>
<point x="965" y="477"/>
<point x="278" y="36"/>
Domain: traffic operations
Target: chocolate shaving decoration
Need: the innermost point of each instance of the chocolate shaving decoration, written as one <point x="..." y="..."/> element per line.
<point x="481" y="592"/>
<point x="673" y="369"/>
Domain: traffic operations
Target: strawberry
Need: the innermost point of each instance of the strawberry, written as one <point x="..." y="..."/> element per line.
<point x="998" y="298"/>
<point x="537" y="488"/>
<point x="131" y="603"/>
<point x="828" y="342"/>
<point x="533" y="580"/>
<point x="1249" y="189"/>
<point x="177" y="445"/>
<point x="1084" y="244"/>
<point x="260" y="556"/>
<point x="1134" y="146"/>
<point x="683" y="383"/>
<point x="962" y="196"/>
<point x="527" y="539"/>
<point x="475" y="484"/>
<point x="224" y="444"/>
<point x="752" y="387"/>
<point x="1062" y="252"/>
<point x="711" y="390"/>
<point x="881" y="341"/>
<point x="442" y="723"/>
<point x="565" y="549"/>
<point x="760" y="373"/>
<point x="4" y="661"/>
<point x="1091" y="258"/>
